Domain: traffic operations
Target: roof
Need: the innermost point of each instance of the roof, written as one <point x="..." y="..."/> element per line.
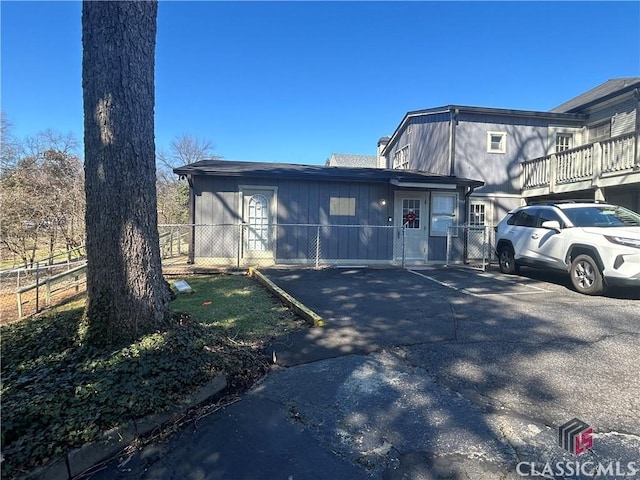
<point x="289" y="171"/>
<point x="503" y="112"/>
<point x="348" y="160"/>
<point x="609" y="89"/>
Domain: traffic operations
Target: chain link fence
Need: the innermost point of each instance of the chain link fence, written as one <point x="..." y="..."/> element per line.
<point x="242" y="245"/>
<point x="470" y="246"/>
<point x="194" y="248"/>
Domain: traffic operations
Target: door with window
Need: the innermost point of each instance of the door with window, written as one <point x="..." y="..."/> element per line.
<point x="478" y="232"/>
<point x="258" y="240"/>
<point x="411" y="218"/>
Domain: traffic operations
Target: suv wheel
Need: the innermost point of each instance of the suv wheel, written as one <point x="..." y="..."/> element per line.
<point x="585" y="275"/>
<point x="507" y="261"/>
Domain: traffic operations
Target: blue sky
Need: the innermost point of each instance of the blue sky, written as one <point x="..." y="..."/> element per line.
<point x="297" y="81"/>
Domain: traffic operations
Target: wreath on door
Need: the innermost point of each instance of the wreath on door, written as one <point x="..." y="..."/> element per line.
<point x="410" y="217"/>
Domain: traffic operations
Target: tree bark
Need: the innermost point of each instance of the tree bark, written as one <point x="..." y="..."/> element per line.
<point x="126" y="292"/>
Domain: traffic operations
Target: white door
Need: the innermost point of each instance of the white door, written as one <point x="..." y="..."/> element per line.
<point x="258" y="233"/>
<point x="478" y="234"/>
<point x="411" y="213"/>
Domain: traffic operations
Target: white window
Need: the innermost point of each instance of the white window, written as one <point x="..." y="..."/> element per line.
<point x="443" y="212"/>
<point x="411" y="212"/>
<point x="258" y="223"/>
<point x="343" y="206"/>
<point x="564" y="141"/>
<point x="496" y="142"/>
<point x="401" y="158"/>
<point x="477" y="215"/>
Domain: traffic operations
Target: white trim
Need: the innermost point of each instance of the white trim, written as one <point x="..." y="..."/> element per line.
<point x="243" y="190"/>
<point x="434" y="186"/>
<point x="496" y="195"/>
<point x="503" y="142"/>
<point x="554" y="130"/>
<point x="454" y="216"/>
<point x="400" y="160"/>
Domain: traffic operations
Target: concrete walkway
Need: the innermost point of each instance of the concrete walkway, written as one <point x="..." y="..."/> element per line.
<point x="424" y="375"/>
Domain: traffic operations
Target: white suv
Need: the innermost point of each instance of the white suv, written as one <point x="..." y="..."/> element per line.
<point x="598" y="244"/>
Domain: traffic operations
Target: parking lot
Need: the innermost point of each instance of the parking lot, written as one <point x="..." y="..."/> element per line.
<point x="426" y="374"/>
<point x="526" y="344"/>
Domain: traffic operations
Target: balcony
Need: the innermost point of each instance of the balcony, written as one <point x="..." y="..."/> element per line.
<point x="607" y="163"/>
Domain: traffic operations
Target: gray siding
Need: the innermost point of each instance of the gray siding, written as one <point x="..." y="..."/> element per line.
<point x="624" y="120"/>
<point x="430" y="146"/>
<point x="499" y="171"/>
<point x="623" y="115"/>
<point x="217" y="201"/>
<point x="308" y="203"/>
<point x="428" y="140"/>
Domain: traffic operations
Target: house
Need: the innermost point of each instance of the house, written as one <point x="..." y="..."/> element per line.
<point x="446" y="166"/>
<point x="269" y="213"/>
<point x="585" y="148"/>
<point x="601" y="160"/>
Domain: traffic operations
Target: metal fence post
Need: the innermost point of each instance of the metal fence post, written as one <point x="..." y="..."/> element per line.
<point x="240" y="243"/>
<point x="318" y="246"/>
<point x="404" y="229"/>
<point x="484" y="248"/>
<point x="448" y="246"/>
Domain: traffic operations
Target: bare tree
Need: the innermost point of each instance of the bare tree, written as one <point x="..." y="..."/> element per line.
<point x="126" y="293"/>
<point x="42" y="197"/>
<point x="185" y="149"/>
<point x="8" y="144"/>
<point x="173" y="194"/>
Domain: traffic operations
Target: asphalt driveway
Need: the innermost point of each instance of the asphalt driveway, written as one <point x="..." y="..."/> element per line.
<point x="425" y="374"/>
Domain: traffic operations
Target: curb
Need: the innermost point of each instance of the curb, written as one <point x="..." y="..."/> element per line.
<point x="309" y="315"/>
<point x="81" y="459"/>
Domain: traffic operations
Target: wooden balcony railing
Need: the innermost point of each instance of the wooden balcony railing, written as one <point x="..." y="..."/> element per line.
<point x="587" y="163"/>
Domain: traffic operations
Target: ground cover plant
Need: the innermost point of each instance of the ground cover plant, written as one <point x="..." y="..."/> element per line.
<point x="58" y="394"/>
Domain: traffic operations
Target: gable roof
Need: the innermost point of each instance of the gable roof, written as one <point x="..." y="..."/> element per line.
<point x="290" y="171"/>
<point x="349" y="160"/>
<point x="609" y="89"/>
<point x="487" y="111"/>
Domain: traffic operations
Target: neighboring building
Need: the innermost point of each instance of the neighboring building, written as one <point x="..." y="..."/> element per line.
<point x="266" y="213"/>
<point x="355" y="161"/>
<point x="585" y="148"/>
<point x="602" y="159"/>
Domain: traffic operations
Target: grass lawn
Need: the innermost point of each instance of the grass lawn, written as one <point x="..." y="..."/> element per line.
<point x="57" y="395"/>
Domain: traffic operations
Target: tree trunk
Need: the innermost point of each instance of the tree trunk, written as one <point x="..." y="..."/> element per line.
<point x="126" y="292"/>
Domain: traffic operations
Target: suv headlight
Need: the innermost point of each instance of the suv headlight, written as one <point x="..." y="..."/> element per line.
<point x="627" y="242"/>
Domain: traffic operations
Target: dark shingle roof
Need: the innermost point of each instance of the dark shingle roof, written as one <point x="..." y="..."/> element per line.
<point x="610" y="88"/>
<point x="349" y="160"/>
<point x="227" y="168"/>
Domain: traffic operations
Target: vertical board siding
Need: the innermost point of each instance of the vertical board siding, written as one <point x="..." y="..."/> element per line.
<point x="499" y="171"/>
<point x="429" y="151"/>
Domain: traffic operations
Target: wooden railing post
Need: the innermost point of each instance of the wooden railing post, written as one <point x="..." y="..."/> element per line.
<point x="597" y="164"/>
<point x="553" y="172"/>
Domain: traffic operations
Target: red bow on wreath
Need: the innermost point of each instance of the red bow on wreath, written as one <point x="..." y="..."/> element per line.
<point x="410" y="217"/>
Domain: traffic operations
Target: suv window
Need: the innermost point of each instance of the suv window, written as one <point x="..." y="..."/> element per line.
<point x="524" y="218"/>
<point x="547" y="215"/>
<point x="602" y="216"/>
